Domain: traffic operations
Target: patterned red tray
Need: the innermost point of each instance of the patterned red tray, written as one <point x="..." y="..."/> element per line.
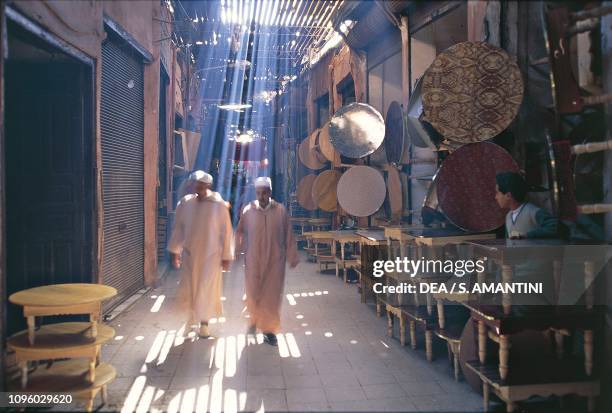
<point x="465" y="185"/>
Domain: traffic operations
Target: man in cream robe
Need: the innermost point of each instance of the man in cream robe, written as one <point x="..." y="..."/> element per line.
<point x="265" y="235"/>
<point x="203" y="235"/>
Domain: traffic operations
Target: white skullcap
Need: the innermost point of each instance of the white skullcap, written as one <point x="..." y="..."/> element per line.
<point x="201" y="176"/>
<point x="263" y="182"/>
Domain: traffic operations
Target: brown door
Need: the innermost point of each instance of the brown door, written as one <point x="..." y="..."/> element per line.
<point x="49" y="175"/>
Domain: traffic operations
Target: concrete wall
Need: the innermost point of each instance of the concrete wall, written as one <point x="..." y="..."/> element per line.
<point x="80" y="23"/>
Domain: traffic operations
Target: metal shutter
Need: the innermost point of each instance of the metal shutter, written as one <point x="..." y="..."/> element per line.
<point x="122" y="129"/>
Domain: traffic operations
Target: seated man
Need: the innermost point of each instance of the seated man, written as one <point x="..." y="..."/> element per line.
<point x="524" y="219"/>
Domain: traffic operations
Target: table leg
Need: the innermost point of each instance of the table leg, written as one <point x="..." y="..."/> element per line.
<point x="93" y="318"/>
<point x="378" y="307"/>
<point x="589" y="277"/>
<point x="485" y="396"/>
<point x="429" y="303"/>
<point x="504" y="355"/>
<point x="441" y="316"/>
<point x="507" y="278"/>
<point x="89" y="405"/>
<point x="362" y="287"/>
<point x="23" y="366"/>
<point x="557" y="280"/>
<point x="481" y="277"/>
<point x="389" y="323"/>
<point x="482" y="342"/>
<point x="590" y="404"/>
<point x="342" y="258"/>
<point x="429" y="345"/>
<point x="104" y="394"/>
<point x="92" y="370"/>
<point x="588" y="352"/>
<point x="402" y="321"/>
<point x="31" y="325"/>
<point x="559" y="344"/>
<point x="509" y="407"/>
<point x="456" y="362"/>
<point x="413" y="342"/>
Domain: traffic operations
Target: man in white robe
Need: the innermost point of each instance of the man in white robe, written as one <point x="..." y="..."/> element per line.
<point x="203" y="236"/>
<point x="265" y="235"/>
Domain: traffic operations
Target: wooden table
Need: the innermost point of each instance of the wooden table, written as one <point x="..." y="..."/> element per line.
<point x="555" y="378"/>
<point x="325" y="238"/>
<point x="398" y="232"/>
<point x="508" y="253"/>
<point x="370" y="238"/>
<point x="343" y="237"/>
<point x="318" y="224"/>
<point x="62" y="299"/>
<point x="302" y="222"/>
<point x="58" y="341"/>
<point x="70" y="376"/>
<point x="415" y="243"/>
<point x="428" y="243"/>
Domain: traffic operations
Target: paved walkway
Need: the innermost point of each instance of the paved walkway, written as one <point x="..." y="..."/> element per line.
<point x="333" y="355"/>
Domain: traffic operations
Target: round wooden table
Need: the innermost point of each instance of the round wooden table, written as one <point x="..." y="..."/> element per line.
<point x="62" y="299"/>
<point x="59" y="341"/>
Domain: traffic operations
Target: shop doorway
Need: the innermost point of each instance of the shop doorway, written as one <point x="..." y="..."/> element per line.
<point x="50" y="180"/>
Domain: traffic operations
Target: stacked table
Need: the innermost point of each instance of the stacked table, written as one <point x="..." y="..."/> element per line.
<point x="84" y="375"/>
<point x="415" y="244"/>
<point x="573" y="269"/>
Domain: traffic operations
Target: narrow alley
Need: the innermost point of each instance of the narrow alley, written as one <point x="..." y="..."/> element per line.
<point x="442" y="169"/>
<point x="333" y="354"/>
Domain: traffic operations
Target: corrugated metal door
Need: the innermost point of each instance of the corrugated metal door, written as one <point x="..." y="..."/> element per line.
<point x="122" y="128"/>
